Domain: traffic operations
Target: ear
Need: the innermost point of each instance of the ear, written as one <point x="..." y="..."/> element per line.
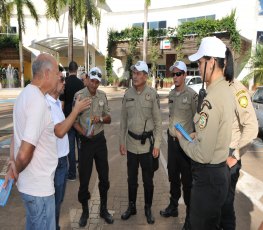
<point x="46" y="74"/>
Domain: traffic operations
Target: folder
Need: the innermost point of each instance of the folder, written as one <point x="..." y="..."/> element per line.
<point x="5" y="192"/>
<point x="180" y="128"/>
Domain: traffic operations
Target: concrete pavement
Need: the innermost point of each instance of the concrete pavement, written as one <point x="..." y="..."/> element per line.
<point x="249" y="214"/>
<point x="117" y="197"/>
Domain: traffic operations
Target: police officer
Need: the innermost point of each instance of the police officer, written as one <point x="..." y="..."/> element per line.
<point x="140" y="137"/>
<point x="182" y="108"/>
<point x="93" y="145"/>
<point x="244" y="130"/>
<point x="213" y="125"/>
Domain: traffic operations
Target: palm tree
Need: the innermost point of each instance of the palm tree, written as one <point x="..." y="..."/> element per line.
<point x="147" y="3"/>
<point x="81" y="12"/>
<point x="92" y="17"/>
<point x="18" y="6"/>
<point x="256" y="62"/>
<point x="74" y="9"/>
<point x="5" y="13"/>
<point x="154" y="51"/>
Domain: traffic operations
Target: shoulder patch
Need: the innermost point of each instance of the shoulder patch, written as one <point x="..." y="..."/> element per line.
<point x="203" y="120"/>
<point x="243" y="101"/>
<point x="207" y="104"/>
<point x="240" y="92"/>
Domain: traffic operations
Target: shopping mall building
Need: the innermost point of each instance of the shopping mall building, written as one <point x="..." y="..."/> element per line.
<point x="52" y="37"/>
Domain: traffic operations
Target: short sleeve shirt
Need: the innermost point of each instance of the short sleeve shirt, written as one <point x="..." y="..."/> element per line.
<point x="33" y="124"/>
<point x="57" y="117"/>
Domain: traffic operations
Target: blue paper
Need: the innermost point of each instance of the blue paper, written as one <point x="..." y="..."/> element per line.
<point x="5" y="192"/>
<point x="180" y="128"/>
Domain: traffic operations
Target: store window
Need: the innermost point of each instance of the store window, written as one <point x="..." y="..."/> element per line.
<point x="192" y="19"/>
<point x="161" y="71"/>
<point x="151" y="25"/>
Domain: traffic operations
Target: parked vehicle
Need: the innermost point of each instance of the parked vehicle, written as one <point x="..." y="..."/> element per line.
<point x="194" y="82"/>
<point x="257" y="100"/>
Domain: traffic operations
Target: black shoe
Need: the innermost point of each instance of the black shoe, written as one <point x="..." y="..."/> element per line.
<point x="84" y="217"/>
<point x="148" y="214"/>
<point x="130" y="211"/>
<point x="171" y="210"/>
<point x="71" y="178"/>
<point x="106" y="216"/>
<point x="186" y="225"/>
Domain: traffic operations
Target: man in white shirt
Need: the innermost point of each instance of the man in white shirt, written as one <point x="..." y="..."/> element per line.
<point x="34" y="157"/>
<point x="62" y="126"/>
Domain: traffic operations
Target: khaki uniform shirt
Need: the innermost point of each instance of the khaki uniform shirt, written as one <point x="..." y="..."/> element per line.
<point x="245" y="126"/>
<point x="213" y="125"/>
<point x="182" y="108"/>
<point x="99" y="107"/>
<point x="136" y="109"/>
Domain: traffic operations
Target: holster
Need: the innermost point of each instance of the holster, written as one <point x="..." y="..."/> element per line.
<point x="155" y="161"/>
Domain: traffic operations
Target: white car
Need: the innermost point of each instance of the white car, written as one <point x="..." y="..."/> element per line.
<point x="194" y="82"/>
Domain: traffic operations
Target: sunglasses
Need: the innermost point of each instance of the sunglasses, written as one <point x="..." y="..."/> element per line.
<point x="94" y="73"/>
<point x="177" y="74"/>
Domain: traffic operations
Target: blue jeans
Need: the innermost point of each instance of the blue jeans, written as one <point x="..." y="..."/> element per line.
<point x="72" y="137"/>
<point x="60" y="180"/>
<point x="40" y="212"/>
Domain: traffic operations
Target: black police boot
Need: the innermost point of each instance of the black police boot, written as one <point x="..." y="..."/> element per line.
<point x="171" y="210"/>
<point x="148" y="214"/>
<point x="104" y="213"/>
<point x="130" y="211"/>
<point x="186" y="225"/>
<point x="187" y="220"/>
<point x="84" y="216"/>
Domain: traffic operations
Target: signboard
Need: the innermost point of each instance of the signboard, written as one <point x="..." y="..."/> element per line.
<point x="165" y="44"/>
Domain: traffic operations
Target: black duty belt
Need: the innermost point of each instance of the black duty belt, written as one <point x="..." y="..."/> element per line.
<point x="170" y="137"/>
<point x="93" y="138"/>
<point x="200" y="165"/>
<point x="139" y="137"/>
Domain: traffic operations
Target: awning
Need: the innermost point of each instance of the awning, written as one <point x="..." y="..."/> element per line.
<point x="55" y="44"/>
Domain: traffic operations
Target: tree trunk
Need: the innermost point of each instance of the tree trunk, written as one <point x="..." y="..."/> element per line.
<point x="86" y="48"/>
<point x="145" y="31"/>
<point x="21" y="56"/>
<point x="70" y="35"/>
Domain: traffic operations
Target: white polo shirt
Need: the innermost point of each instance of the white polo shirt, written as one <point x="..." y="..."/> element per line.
<point x="33" y="124"/>
<point x="57" y="117"/>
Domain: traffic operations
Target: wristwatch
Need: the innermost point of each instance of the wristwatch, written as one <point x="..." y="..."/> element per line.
<point x="101" y="119"/>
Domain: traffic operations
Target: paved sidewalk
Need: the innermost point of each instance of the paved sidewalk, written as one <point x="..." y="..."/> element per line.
<point x="118" y="201"/>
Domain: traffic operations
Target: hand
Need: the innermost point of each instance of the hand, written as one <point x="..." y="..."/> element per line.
<point x="123" y="150"/>
<point x="193" y="135"/>
<point x="96" y="120"/>
<point x="11" y="173"/>
<point x="178" y="134"/>
<point x="156" y="152"/>
<point x="231" y="161"/>
<point x="82" y="104"/>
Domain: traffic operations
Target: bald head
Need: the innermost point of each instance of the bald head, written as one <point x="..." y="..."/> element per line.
<point x="45" y="73"/>
<point x="42" y="63"/>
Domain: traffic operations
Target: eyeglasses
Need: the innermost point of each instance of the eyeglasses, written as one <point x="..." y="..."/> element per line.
<point x="94" y="73"/>
<point x="177" y="74"/>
